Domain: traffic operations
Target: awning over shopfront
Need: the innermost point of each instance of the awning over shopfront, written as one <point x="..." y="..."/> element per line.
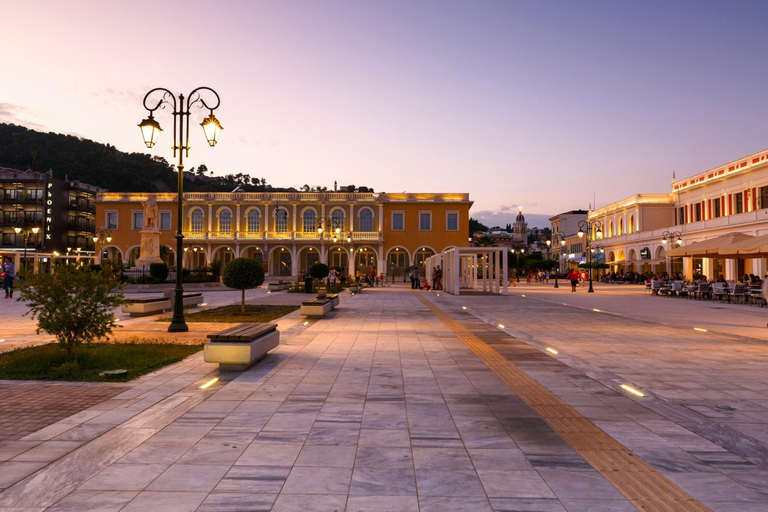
<point x="713" y="247"/>
<point x="754" y="247"/>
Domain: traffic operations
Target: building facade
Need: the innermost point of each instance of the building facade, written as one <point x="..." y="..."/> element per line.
<point x="566" y="244"/>
<point x="289" y="231"/>
<point x="728" y="198"/>
<point x="62" y="212"/>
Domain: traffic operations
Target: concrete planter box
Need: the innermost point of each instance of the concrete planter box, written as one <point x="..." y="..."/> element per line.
<point x="190" y="298"/>
<point x="334" y="301"/>
<point x="276" y="287"/>
<point x="315" y="310"/>
<point x="238" y="356"/>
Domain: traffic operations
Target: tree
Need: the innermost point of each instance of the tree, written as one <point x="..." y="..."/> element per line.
<point x="319" y="270"/>
<point x="73" y="304"/>
<point x="475" y="225"/>
<point x="484" y="241"/>
<point x="243" y="274"/>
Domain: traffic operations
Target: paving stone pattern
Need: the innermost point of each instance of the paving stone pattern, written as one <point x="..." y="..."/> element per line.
<point x="29" y="406"/>
<point x="378" y="406"/>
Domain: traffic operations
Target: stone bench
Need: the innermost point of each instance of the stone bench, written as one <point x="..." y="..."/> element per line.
<point x="334" y="298"/>
<point x="315" y="308"/>
<point x="190" y="298"/>
<point x="144" y="307"/>
<point x="276" y="287"/>
<point x="237" y="348"/>
<point x="356" y="288"/>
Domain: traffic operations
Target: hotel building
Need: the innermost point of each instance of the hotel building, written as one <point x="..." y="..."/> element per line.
<point x="62" y="212"/>
<point x="289" y="231"/>
<point x="733" y="197"/>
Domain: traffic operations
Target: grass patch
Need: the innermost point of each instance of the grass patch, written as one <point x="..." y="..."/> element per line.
<point x="49" y="362"/>
<point x="254" y="313"/>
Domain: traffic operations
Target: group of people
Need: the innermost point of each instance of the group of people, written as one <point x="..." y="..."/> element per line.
<point x="9" y="275"/>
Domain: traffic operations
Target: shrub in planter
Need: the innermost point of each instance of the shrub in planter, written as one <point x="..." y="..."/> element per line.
<point x="243" y="274"/>
<point x="159" y="271"/>
<point x="319" y="270"/>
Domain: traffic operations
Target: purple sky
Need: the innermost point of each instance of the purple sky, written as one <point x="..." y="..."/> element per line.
<point x="536" y="104"/>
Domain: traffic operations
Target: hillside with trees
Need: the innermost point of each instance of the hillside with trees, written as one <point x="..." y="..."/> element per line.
<point x="104" y="166"/>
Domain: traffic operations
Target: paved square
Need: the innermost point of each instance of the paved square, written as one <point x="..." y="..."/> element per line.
<point x="385" y="405"/>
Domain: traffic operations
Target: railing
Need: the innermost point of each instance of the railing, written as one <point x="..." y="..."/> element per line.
<point x="366" y="235"/>
<point x="221" y="235"/>
<point x="250" y="235"/>
<point x="309" y="235"/>
<point x="276" y="196"/>
<point x="277" y="235"/>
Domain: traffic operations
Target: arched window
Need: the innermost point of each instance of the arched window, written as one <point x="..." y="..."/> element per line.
<point x="281" y="220"/>
<point x="366" y="221"/>
<point x="197" y="221"/>
<point x="610" y="228"/>
<point x="309" y="221"/>
<point x="225" y="221"/>
<point x="621" y="227"/>
<point x="631" y="226"/>
<point x="337" y="219"/>
<point x="253" y="221"/>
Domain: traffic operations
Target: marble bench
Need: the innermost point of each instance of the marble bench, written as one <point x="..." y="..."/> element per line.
<point x="237" y="348"/>
<point x="276" y="287"/>
<point x="334" y="298"/>
<point x="144" y="307"/>
<point x="315" y="308"/>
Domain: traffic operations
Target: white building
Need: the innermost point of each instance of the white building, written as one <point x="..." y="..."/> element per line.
<point x="728" y="198"/>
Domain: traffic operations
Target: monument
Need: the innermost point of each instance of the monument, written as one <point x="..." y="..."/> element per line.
<point x="150" y="235"/>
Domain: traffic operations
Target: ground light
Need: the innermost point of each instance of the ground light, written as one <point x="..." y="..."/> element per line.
<point x="501" y="326"/>
<point x="210" y="383"/>
<point x="306" y="323"/>
<point x="463" y="307"/>
<point x="632" y="390"/>
<point x="699" y="329"/>
<point x="596" y="310"/>
<point x="552" y="350"/>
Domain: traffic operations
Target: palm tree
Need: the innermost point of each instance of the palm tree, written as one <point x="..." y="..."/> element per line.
<point x="484" y="241"/>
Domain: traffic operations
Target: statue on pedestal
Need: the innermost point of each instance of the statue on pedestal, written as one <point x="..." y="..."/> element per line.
<point x="150" y="235"/>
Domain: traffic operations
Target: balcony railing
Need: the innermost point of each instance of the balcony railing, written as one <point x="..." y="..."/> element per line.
<point x="278" y="235"/>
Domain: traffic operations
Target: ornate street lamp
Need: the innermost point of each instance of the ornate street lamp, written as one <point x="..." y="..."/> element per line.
<point x="672" y="236"/>
<point x="593" y="231"/>
<point x="35" y="230"/>
<point x="557" y="240"/>
<point x="150" y="131"/>
<point x="101" y="235"/>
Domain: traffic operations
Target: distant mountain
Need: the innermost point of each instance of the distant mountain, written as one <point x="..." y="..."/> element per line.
<point x="102" y="165"/>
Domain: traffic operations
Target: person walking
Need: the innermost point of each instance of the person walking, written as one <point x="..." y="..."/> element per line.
<point x="573" y="277"/>
<point x="8" y="274"/>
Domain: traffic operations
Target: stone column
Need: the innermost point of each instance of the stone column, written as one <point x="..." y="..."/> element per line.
<point x="731" y="270"/>
<point x="294" y="218"/>
<point x="237" y="223"/>
<point x="708" y="268"/>
<point x="210" y="217"/>
<point x="265" y="224"/>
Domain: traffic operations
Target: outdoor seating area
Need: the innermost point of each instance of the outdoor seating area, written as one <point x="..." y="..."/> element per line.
<point x="737" y="293"/>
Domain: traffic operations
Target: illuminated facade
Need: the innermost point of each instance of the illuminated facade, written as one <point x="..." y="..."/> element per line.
<point x="62" y="213"/>
<point x="385" y="232"/>
<point x="729" y="198"/>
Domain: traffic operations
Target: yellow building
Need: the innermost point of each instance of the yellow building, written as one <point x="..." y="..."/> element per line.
<point x="289" y="231"/>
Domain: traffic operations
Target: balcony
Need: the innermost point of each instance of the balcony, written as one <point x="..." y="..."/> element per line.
<point x="83" y="204"/>
<point x="279" y="235"/>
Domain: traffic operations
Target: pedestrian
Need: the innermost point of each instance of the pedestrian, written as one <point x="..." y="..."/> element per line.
<point x="8" y="274"/>
<point x="439" y="278"/>
<point x="573" y="277"/>
<point x="414" y="278"/>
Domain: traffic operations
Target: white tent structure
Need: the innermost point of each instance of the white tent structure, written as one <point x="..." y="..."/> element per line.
<point x="476" y="268"/>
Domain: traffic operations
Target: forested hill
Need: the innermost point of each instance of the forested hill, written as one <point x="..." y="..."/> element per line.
<point x="104" y="166"/>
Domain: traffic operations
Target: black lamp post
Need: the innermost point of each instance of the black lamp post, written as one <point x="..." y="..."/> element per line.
<point x="593" y="230"/>
<point x="35" y="230"/>
<point x="101" y="235"/>
<point x="517" y="268"/>
<point x="557" y="240"/>
<point x="150" y="130"/>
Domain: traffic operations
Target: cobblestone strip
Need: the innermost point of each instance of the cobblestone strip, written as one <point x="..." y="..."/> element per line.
<point x="643" y="485"/>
